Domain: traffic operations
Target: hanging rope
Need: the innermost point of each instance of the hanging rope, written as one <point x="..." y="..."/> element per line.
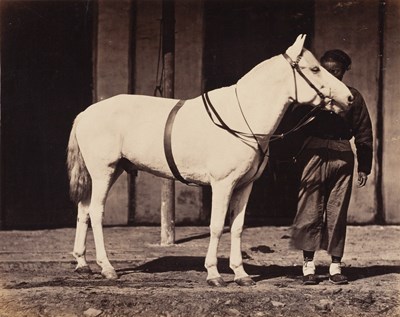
<point x="160" y="75"/>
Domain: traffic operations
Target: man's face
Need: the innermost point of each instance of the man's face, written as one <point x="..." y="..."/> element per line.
<point x="335" y="68"/>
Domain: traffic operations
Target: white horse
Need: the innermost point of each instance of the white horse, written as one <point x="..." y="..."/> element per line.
<point x="228" y="156"/>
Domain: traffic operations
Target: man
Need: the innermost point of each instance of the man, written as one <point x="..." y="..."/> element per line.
<point x="326" y="163"/>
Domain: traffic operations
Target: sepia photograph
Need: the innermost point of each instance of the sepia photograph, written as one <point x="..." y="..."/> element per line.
<point x="199" y="158"/>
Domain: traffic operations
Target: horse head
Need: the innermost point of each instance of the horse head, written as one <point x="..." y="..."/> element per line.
<point x="313" y="84"/>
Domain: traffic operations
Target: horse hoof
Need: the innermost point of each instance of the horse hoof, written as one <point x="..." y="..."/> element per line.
<point x="83" y="270"/>
<point x="245" y="281"/>
<point x="109" y="274"/>
<point x="216" y="282"/>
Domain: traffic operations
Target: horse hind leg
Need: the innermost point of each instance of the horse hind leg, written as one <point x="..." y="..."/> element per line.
<point x="83" y="219"/>
<point x="100" y="188"/>
<point x="238" y="206"/>
<point x="79" y="251"/>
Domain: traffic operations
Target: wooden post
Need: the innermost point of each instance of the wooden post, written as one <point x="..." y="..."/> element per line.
<point x="168" y="186"/>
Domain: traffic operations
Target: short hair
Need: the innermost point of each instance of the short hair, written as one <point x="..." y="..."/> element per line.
<point x="338" y="56"/>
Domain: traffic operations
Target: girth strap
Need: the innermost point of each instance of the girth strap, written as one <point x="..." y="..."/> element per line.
<point x="167" y="142"/>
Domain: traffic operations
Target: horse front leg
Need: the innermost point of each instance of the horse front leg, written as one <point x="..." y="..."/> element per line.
<point x="220" y="200"/>
<point x="79" y="251"/>
<point x="238" y="206"/>
<point x="96" y="211"/>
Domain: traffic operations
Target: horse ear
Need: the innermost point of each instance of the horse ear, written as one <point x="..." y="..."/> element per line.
<point x="296" y="48"/>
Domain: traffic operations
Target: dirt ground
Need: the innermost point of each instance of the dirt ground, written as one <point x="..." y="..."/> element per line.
<point x="37" y="278"/>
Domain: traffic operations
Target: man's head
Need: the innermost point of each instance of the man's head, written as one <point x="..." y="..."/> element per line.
<point x="336" y="62"/>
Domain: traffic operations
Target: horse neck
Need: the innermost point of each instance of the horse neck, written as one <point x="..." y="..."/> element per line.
<point x="264" y="94"/>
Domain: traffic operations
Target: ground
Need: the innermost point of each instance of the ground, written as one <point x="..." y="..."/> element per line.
<point x="37" y="277"/>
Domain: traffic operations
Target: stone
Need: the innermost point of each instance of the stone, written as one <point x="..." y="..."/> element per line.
<point x="92" y="312"/>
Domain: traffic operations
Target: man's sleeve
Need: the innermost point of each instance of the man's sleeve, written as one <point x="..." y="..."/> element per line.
<point x="362" y="131"/>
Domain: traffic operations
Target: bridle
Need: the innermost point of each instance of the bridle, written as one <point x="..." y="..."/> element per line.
<point x="296" y="68"/>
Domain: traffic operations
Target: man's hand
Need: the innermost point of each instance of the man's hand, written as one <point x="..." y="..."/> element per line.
<point x="362" y="179"/>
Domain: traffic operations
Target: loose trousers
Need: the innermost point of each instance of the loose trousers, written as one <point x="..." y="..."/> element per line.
<point x="323" y="200"/>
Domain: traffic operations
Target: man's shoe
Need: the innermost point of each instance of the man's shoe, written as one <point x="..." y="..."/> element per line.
<point x="310" y="279"/>
<point x="338" y="279"/>
<point x="335" y="274"/>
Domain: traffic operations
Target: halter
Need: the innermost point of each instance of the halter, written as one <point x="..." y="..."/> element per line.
<point x="295" y="67"/>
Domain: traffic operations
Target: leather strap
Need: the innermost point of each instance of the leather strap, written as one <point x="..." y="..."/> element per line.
<point x="295" y="66"/>
<point x="168" y="145"/>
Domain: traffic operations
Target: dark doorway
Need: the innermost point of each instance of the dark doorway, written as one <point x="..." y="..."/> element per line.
<point x="46" y="80"/>
<point x="238" y="36"/>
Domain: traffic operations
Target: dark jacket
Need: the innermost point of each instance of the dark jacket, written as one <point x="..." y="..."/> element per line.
<point x="327" y="125"/>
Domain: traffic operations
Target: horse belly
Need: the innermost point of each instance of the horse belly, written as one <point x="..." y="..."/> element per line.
<point x="143" y="147"/>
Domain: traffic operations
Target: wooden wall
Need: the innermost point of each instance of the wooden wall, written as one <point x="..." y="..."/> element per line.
<point x="390" y="113"/>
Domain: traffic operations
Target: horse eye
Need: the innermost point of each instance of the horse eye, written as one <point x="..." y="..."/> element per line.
<point x="315" y="69"/>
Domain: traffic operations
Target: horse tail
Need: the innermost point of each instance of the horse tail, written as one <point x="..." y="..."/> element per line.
<point x="80" y="182"/>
